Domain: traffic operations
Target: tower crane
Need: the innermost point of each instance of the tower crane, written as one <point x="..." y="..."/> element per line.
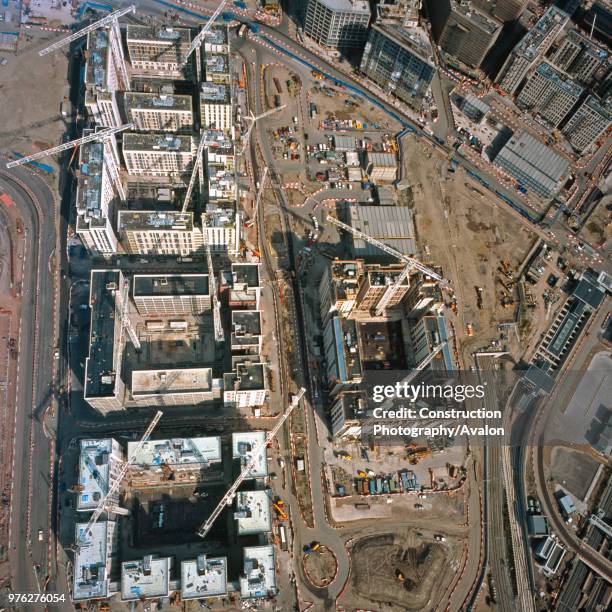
<point x="197" y="168"/>
<point x="410" y="262"/>
<point x="226" y="500"/>
<point x="197" y="41"/>
<point x="115" y="41"/>
<point x="100" y="136"/>
<point x="112" y="507"/>
<point x="104" y="505"/>
<point x="262" y="184"/>
<point x="245" y="139"/>
<point x="219" y="335"/>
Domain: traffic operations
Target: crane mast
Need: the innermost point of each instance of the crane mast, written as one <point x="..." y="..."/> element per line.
<point x="100" y="136"/>
<point x="414" y="263"/>
<point x="197" y="41"/>
<point x="219" y="335"/>
<point x="245" y="139"/>
<point x="103" y="505"/>
<point x="231" y="492"/>
<point x="197" y="167"/>
<point x="390" y="292"/>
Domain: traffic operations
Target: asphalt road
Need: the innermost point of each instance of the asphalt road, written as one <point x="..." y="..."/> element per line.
<point x="32" y="481"/>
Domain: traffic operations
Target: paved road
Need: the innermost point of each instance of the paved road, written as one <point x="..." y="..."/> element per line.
<point x="32" y="480"/>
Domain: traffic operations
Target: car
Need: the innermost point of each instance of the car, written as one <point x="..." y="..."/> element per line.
<point x="439" y="538"/>
<point x="41" y="535"/>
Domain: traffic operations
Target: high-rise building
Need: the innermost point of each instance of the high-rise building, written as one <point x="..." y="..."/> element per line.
<point x="171" y="294"/>
<point x="378" y="282"/>
<point x="588" y="123"/>
<point x="579" y="56"/>
<point x="404" y="12"/>
<point x="462" y="30"/>
<point x="531" y="48"/>
<point x="151" y="232"/>
<point x="158" y="51"/>
<point x="337" y="24"/>
<point x="155" y="154"/>
<point x="216" y="106"/>
<point x="504" y="10"/>
<point x="104" y="387"/>
<point x="550" y="93"/>
<point x="258" y="577"/>
<point x="343" y="354"/>
<point x="339" y="287"/>
<point x="348" y="413"/>
<point x="400" y="61"/>
<point x="217" y="68"/>
<point x="151" y="112"/>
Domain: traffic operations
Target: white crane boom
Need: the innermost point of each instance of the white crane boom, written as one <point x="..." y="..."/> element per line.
<point x="262" y="183"/>
<point x="102" y="135"/>
<point x="415" y="263"/>
<point x="245" y="139"/>
<point x="126" y="323"/>
<point x="255" y="454"/>
<point x="390" y="292"/>
<point x="197" y="41"/>
<point x="197" y="168"/>
<point x="102" y="506"/>
<point x="117" y="51"/>
<point x="112" y="170"/>
<point x="90" y="28"/>
<point x="219" y="335"/>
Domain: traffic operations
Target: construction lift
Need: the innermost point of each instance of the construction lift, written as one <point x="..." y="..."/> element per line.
<point x="411" y="263"/>
<point x="227" y="499"/>
<point x="104" y="506"/>
<point x="262" y="184"/>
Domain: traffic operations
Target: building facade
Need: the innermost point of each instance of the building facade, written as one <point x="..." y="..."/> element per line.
<point x="216" y="106"/>
<point x="171" y="294"/>
<point x="579" y="57"/>
<point x="337" y="24"/>
<point x="156" y="154"/>
<point x="151" y="112"/>
<point x="590" y="121"/>
<point x="158" y="51"/>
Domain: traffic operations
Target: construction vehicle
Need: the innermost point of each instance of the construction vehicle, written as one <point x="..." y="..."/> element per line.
<point x="312" y="547"/>
<point x="361" y="474"/>
<point x="479" y="300"/>
<point x="469" y="329"/>
<point x="227" y="499"/>
<point x="279" y="507"/>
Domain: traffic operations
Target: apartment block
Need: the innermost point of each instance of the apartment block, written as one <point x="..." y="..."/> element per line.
<point x="171" y="294"/>
<point x="246" y="338"/>
<point x="151" y="112"/>
<point x="204" y="577"/>
<point x="462" y="30"/>
<point x="591" y="120"/>
<point x="156" y="154"/>
<point x="242" y="282"/>
<point x="339" y="287"/>
<point x="424" y="336"/>
<point x="216" y="39"/>
<point x="343" y="354"/>
<point x="252" y="512"/>
<point x="249" y="444"/>
<point x="146" y="578"/>
<point x="158" y="51"/>
<point x="104" y="388"/>
<point x="258" y="578"/>
<point x="550" y="93"/>
<point x="400" y="61"/>
<point x="378" y="282"/>
<point x="216" y="106"/>
<point x="337" y="24"/>
<point x="216" y="68"/>
<point x="348" y="413"/>
<point x="579" y="56"/>
<point x="153" y="232"/>
<point x="531" y="48"/>
<point x="100" y="462"/>
<point x="246" y="386"/>
<point x="94" y="561"/>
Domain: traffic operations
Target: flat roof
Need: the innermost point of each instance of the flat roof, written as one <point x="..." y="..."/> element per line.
<point x="157" y="143"/>
<point x="148" y="220"/>
<point x="247" y="273"/>
<point x="94" y="471"/>
<point x="393" y="225"/>
<point x="217" y="35"/>
<point x="560" y="79"/>
<point x="217" y="63"/>
<point x="413" y="39"/>
<point x="152" y="285"/>
<point x="217" y="93"/>
<point x="162" y="35"/>
<point x="157" y="102"/>
<point x="100" y="364"/>
<point x="177" y="451"/>
<point x="243" y="445"/>
<point x="90" y="579"/>
<point x="483" y="20"/>
<point x="148" y="577"/>
<point x="259" y="576"/>
<point x="252" y="512"/>
<point x="589" y="293"/>
<point x="165" y="382"/>
<point x="247" y="322"/>
<point x="89" y="190"/>
<point x="204" y="577"/>
<point x="96" y="66"/>
<point x="351" y="6"/>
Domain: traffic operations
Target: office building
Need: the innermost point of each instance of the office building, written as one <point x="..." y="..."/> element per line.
<point x="147" y="578"/>
<point x="96" y="197"/>
<point x="244" y="446"/>
<point x="462" y="30"/>
<point x="534" y="165"/>
<point x="104" y="388"/>
<point x="175" y="461"/>
<point x="158" y="51"/>
<point x="348" y="413"/>
<point x="158" y="154"/>
<point x="531" y="48"/>
<point x="337" y="24"/>
<point x="171" y="294"/>
<point x="151" y="112"/>
<point x="246" y="338"/>
<point x="579" y="57"/>
<point x="550" y="93"/>
<point x="216" y="106"/>
<point x="400" y="61"/>
<point x="591" y="120"/>
<point x="258" y="578"/>
<point x="252" y="512"/>
<point x="150" y="232"/>
<point x="246" y="386"/>
<point x="174" y="387"/>
<point x="94" y="560"/>
<point x="598" y="20"/>
<point x="504" y="10"/>
<point x="105" y="74"/>
<point x="100" y="462"/>
<point x="343" y="354"/>
<point x="204" y="577"/>
<point x="338" y="288"/>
